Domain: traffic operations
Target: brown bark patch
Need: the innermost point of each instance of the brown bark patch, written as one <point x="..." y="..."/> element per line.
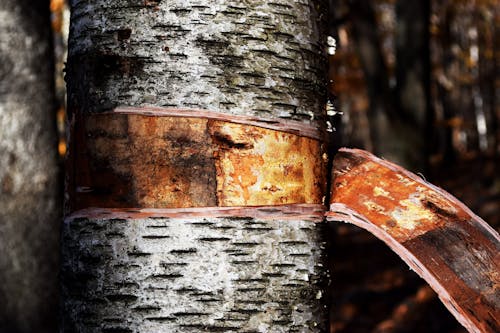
<point x="454" y="250"/>
<point x="127" y="160"/>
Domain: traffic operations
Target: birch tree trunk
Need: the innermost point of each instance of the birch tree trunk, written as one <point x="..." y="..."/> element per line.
<point x="197" y="132"/>
<point x="29" y="205"/>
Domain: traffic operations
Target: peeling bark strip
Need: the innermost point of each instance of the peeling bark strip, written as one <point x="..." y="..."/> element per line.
<point x="278" y="124"/>
<point x="132" y="160"/>
<point x="259" y="58"/>
<point x="455" y="251"/>
<point x="192" y="274"/>
<point x="307" y="212"/>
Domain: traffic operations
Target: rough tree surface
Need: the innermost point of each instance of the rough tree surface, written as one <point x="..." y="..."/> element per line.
<point x="29" y="205"/>
<point x="183" y="104"/>
<point x="454" y="250"/>
<point x="259" y="58"/>
<point x="172" y="272"/>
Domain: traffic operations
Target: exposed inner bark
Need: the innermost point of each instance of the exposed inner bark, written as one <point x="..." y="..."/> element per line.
<point x="133" y="160"/>
<point x="455" y="251"/>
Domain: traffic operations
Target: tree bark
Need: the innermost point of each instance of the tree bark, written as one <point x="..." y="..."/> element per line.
<point x="187" y="271"/>
<point x="245" y="58"/>
<point x="177" y="111"/>
<point x="454" y="250"/>
<point x="29" y="195"/>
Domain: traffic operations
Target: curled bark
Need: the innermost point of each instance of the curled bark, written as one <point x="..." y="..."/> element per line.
<point x="454" y="250"/>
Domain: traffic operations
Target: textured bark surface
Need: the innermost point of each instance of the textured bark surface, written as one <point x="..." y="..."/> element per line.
<point x="259" y="58"/>
<point x="29" y="205"/>
<point x="161" y="271"/>
<point x="190" y="104"/>
<point x="133" y="160"/>
<point x="455" y="251"/>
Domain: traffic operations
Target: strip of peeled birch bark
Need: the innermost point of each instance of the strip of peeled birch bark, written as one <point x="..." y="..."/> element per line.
<point x="454" y="250"/>
<point x="188" y="104"/>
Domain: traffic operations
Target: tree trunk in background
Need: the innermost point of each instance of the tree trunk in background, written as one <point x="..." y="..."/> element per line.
<point x="382" y="111"/>
<point x="413" y="72"/>
<point x="29" y="205"/>
<point x="397" y="115"/>
<point x="183" y="114"/>
<point x="447" y="95"/>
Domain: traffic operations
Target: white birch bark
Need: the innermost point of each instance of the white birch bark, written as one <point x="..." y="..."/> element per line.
<point x="193" y="273"/>
<point x="261" y="58"/>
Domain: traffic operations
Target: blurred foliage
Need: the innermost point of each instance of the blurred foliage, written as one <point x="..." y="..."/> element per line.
<point x="60" y="27"/>
<point x="465" y="57"/>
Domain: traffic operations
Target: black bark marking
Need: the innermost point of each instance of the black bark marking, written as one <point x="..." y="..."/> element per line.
<point x="160" y="319"/>
<point x="435" y="208"/>
<point x="225" y="141"/>
<point x="184" y="251"/>
<point x="155" y="236"/>
<point x="123" y="34"/>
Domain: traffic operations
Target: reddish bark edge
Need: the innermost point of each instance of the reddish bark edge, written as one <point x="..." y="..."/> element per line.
<point x="278" y="124"/>
<point x="340" y="212"/>
<point x="308" y="212"/>
<point x="396" y="168"/>
<point x="458" y="255"/>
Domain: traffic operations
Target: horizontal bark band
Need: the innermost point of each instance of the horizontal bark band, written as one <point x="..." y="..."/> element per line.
<point x="278" y="124"/>
<point x="303" y="212"/>
<point x="135" y="160"/>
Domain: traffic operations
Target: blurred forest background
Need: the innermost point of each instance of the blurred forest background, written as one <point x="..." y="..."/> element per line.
<point x="413" y="81"/>
<point x="416" y="82"/>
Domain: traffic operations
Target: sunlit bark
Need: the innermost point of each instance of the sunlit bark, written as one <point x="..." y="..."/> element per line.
<point x="180" y="109"/>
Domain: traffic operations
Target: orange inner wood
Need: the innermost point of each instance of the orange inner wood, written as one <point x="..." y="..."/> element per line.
<point x="401" y="206"/>
<point x="131" y="160"/>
